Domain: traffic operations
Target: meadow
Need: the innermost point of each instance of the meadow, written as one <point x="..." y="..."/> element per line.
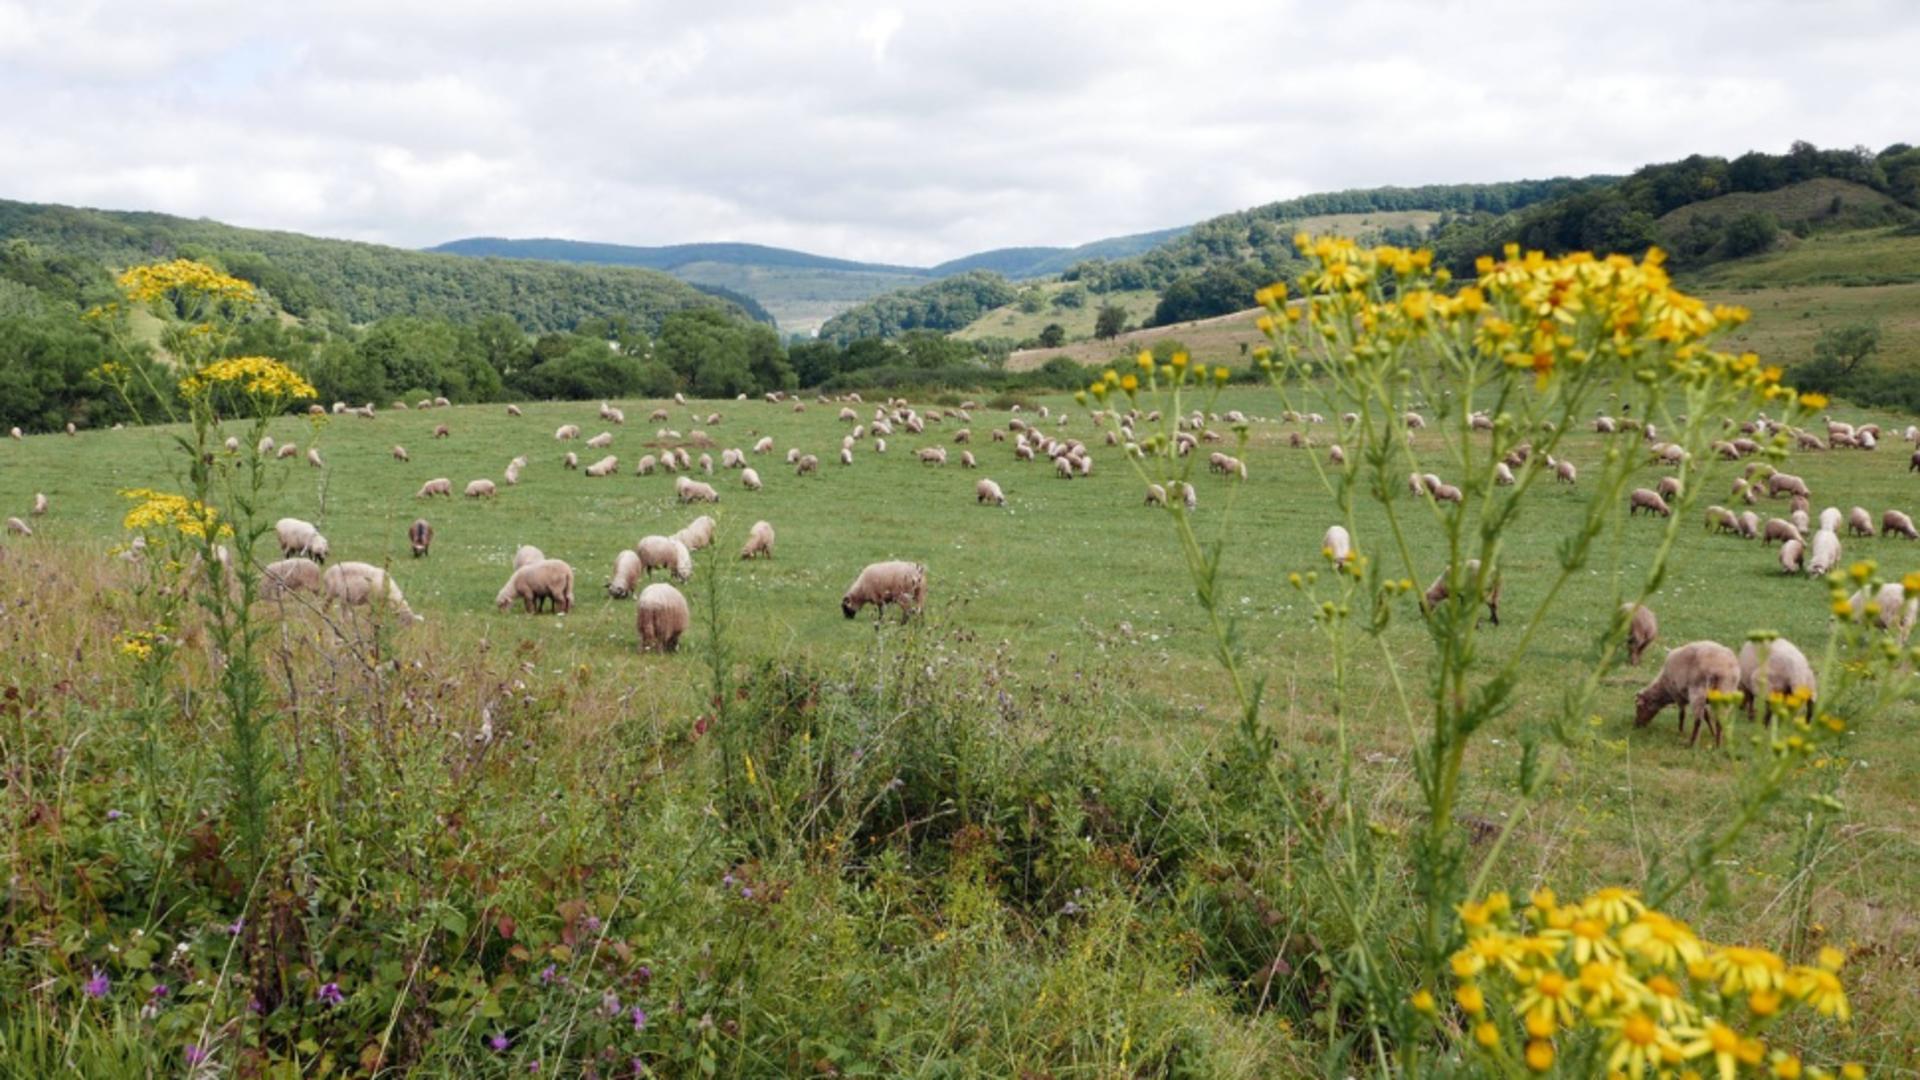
<point x="1071" y="600"/>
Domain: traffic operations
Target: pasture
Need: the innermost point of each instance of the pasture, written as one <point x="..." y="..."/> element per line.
<point x="1077" y="580"/>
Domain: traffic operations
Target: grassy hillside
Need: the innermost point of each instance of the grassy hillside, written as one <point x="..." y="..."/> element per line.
<point x="1823" y="202"/>
<point x="1009" y="321"/>
<point x="364" y="282"/>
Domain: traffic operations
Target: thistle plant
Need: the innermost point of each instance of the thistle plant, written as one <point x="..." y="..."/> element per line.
<point x="1504" y="367"/>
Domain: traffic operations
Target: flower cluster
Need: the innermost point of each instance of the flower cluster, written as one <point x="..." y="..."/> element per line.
<point x="1637" y="988"/>
<point x="160" y="511"/>
<point x="261" y="376"/>
<point x="140" y="644"/>
<point x="183" y="277"/>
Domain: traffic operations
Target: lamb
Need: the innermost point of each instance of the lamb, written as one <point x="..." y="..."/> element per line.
<point x="808" y="465"/>
<point x="1692" y="672"/>
<point x="751" y="479"/>
<point x="902" y="584"/>
<point x="400" y="453"/>
<point x="513" y="410"/>
<point x="1156" y="495"/>
<point x="1823" y="553"/>
<point x="1337" y="545"/>
<point x="440" y="431"/>
<point x="481" y="489"/>
<point x="439" y="485"/>
<point x="604" y="467"/>
<point x="358" y="584"/>
<point x="626" y="574"/>
<point x="1651" y="502"/>
<point x="527" y="555"/>
<point x="566" y="432"/>
<point x="1781" y="530"/>
<point x="667" y="553"/>
<point x="547" y="583"/>
<point x="600" y="441"/>
<point x="1792" y="556"/>
<point x="662" y="618"/>
<point x="1786" y="672"/>
<point x="278" y="579"/>
<point x="286" y="451"/>
<point x="986" y="491"/>
<point x="39" y="504"/>
<point x="698" y="534"/>
<point x="300" y="538"/>
<point x="1890" y="608"/>
<point x="764" y="446"/>
<point x="18" y="527"/>
<point x="1642" y="628"/>
<point x="1895" y="523"/>
<point x="1438" y="592"/>
<point x="420" y="537"/>
<point x="1859" y="522"/>
<point x="314" y="459"/>
<point x="759" y="541"/>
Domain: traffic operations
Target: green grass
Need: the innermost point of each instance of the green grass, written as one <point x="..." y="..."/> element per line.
<point x="1810" y="202"/>
<point x="1009" y="321"/>
<point x="1076" y="580"/>
<point x="1859" y="257"/>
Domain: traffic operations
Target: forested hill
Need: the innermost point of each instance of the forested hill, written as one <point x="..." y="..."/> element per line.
<point x="363" y="283"/>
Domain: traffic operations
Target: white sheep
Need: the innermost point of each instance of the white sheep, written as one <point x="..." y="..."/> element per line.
<point x="1336" y="544"/>
<point x="846" y="456"/>
<point x="750" y="479"/>
<point x="544" y="584"/>
<point x="527" y="555"/>
<point x="1823" y="552"/>
<point x="513" y="410"/>
<point x="759" y="541"/>
<point x="1691" y="673"/>
<point x="1786" y="671"/>
<point x="604" y="467"/>
<point x="1890" y="608"/>
<point x="566" y="432"/>
<point x="18" y="527"/>
<point x="698" y="533"/>
<point x="40" y="504"/>
<point x="1830" y="519"/>
<point x="481" y="489"/>
<point x="667" y="553"/>
<point x="1651" y="502"/>
<point x="314" y="459"/>
<point x="439" y="485"/>
<point x="358" y="584"/>
<point x="764" y="446"/>
<point x="662" y="617"/>
<point x="691" y="491"/>
<point x="1895" y="523"/>
<point x="1859" y="522"/>
<point x="903" y="584"/>
<point x="600" y="441"/>
<point x="1792" y="556"/>
<point x="300" y="538"/>
<point x="286" y="451"/>
<point x="626" y="574"/>
<point x="278" y="579"/>
<point x="1780" y="530"/>
<point x="986" y="491"/>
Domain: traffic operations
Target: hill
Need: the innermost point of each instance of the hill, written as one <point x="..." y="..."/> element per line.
<point x="362" y="283"/>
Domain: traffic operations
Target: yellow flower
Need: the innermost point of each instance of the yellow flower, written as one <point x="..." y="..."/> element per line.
<point x="1550" y="997"/>
<point x="1145" y="360"/>
<point x="154" y="280"/>
<point x="1422" y="1001"/>
<point x="1470" y="999"/>
<point x="1820" y="987"/>
<point x="1662" y="940"/>
<point x="1221" y="375"/>
<point x="160" y="511"/>
<point x="1740" y="968"/>
<point x="1720" y="1042"/>
<point x="1616" y="905"/>
<point x="260" y="376"/>
<point x="1130" y="384"/>
<point x="1540" y="1055"/>
<point x="1813" y="401"/>
<point x="1486" y="1034"/>
<point x="1640" y="1043"/>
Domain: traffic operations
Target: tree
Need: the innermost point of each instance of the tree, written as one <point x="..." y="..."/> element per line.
<point x="1750" y="234"/>
<point x="1111" y="321"/>
<point x="1052" y="336"/>
<point x="1847" y="347"/>
<point x="719" y="356"/>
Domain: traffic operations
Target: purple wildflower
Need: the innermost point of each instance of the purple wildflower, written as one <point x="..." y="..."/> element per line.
<point x="236" y="926"/>
<point x="746" y="893"/>
<point x="609" y="1004"/>
<point x="546" y="975"/>
<point x="330" y="994"/>
<point x="645" y="974"/>
<point x="256" y="1006"/>
<point x="639" y="1018"/>
<point x="1070" y="908"/>
<point x="195" y="1055"/>
<point x="499" y="1042"/>
<point x="592" y="924"/>
<point x="160" y="990"/>
<point x="727" y="881"/>
<point x="98" y="986"/>
<point x="533" y="1066"/>
<point x="113" y="815"/>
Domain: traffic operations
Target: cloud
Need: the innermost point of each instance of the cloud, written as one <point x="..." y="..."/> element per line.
<point x="900" y="133"/>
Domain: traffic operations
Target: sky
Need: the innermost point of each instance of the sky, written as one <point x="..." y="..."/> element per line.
<point x="904" y="132"/>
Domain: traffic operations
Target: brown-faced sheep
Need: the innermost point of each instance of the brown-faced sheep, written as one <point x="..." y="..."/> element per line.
<point x="278" y="579"/>
<point x="662" y="618"/>
<point x="986" y="491"/>
<point x="358" y="584"/>
<point x="1668" y="487"/>
<point x="807" y="465"/>
<point x="902" y="584"/>
<point x="1721" y="519"/>
<point x="1439" y="592"/>
<point x="1786" y="672"/>
<point x="626" y="574"/>
<point x="759" y="541"/>
<point x="300" y="538"/>
<point x="1565" y="473"/>
<point x="1691" y="673"/>
<point x="1650" y="501"/>
<point x="544" y="584"/>
<point x="1642" y="628"/>
<point x="1895" y="523"/>
<point x="481" y="489"/>
<point x="441" y="431"/>
<point x="1156" y="495"/>
<point x="420" y="537"/>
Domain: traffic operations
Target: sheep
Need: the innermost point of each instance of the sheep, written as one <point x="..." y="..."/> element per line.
<point x="967" y="460"/>
<point x="527" y="555"/>
<point x="15" y="434"/>
<point x="1564" y="472"/>
<point x="933" y="455"/>
<point x="300" y="538"/>
<point x="604" y="467"/>
<point x="667" y="553"/>
<point x="1823" y="552"/>
<point x="1895" y="523"/>
<point x="1786" y="671"/>
<point x="698" y="533"/>
<point x="480" y="489"/>
<point x="1189" y="498"/>
<point x="513" y="410"/>
<point x="1890" y="608"/>
<point x="662" y="618"/>
<point x="1799" y="519"/>
<point x="600" y="441"/>
<point x="626" y="574"/>
<point x="439" y="485"/>
<point x="902" y="584"/>
<point x="1445" y="492"/>
<point x="1668" y="487"/>
<point x="40" y="504"/>
<point x="1336" y="456"/>
<point x="1604" y="425"/>
<point x="1156" y="495"/>
<point x="71" y="430"/>
<point x="232" y="444"/>
<point x="1642" y="628"/>
<point x="1859" y="522"/>
<point x="1502" y="474"/>
<point x="793" y="454"/>
<point x="1650" y="501"/>
<point x="441" y="403"/>
<point x="286" y="451"/>
<point x="314" y="459"/>
<point x="1781" y="530"/>
<point x="420" y="537"/>
<point x="1691" y="673"/>
<point x="806" y="465"/>
<point x="1721" y="519"/>
<point x="358" y="584"/>
<point x="764" y="446"/>
<point x="1830" y="519"/>
<point x="750" y="479"/>
<point x="690" y="491"/>
<point x="1337" y="545"/>
<point x="18" y="527"/>
<point x="512" y="475"/>
<point x="1792" y="556"/>
<point x="1913" y="463"/>
<point x="1439" y="592"/>
<point x="547" y="583"/>
<point x="759" y="541"/>
<point x="1414" y="421"/>
<point x="706" y="464"/>
<point x="277" y="579"/>
<point x="566" y="432"/>
<point x="1780" y="483"/>
<point x="986" y="491"/>
<point x="440" y="431"/>
<point x="1749" y="525"/>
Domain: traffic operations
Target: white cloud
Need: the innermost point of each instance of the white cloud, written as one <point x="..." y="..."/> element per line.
<point x="901" y="132"/>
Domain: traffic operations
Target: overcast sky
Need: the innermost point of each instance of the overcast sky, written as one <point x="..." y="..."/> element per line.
<point x="898" y="132"/>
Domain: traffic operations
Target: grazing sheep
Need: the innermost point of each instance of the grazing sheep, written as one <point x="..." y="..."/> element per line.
<point x="1786" y="672"/>
<point x="648" y="463"/>
<point x="1895" y="523"/>
<point x="1189" y="498"/>
<point x="358" y="584"/>
<point x="1792" y="556"/>
<point x="1445" y="492"/>
<point x="750" y="479"/>
<point x="1336" y="456"/>
<point x="759" y="541"/>
<point x="286" y="451"/>
<point x="902" y="584"/>
<point x="662" y="618"/>
<point x="793" y="454"/>
<point x="764" y="446"/>
<point x="933" y="455"/>
<point x="1780" y="530"/>
<point x="277" y="579"/>
<point x="1604" y="425"/>
<point x="689" y="491"/>
<point x="527" y="555"/>
<point x="1414" y="421"/>
<point x="1830" y="519"/>
<point x="1642" y="628"/>
<point x="1823" y="552"/>
<point x="1749" y="525"/>
<point x="544" y="584"/>
<point x="437" y="486"/>
<point x="513" y="471"/>
<point x="481" y="489"/>
<point x="440" y="431"/>
<point x="1668" y="487"/>
<point x="667" y="553"/>
<point x="513" y="410"/>
<point x="39" y="504"/>
<point x="807" y="465"/>
<point x="16" y="434"/>
<point x="1156" y="495"/>
<point x="1438" y="592"/>
<point x="1337" y="545"/>
<point x="400" y="453"/>
<point x="314" y="459"/>
<point x="1691" y="673"/>
<point x="698" y="533"/>
<point x="1650" y="501"/>
<point x="1721" y="519"/>
<point x="846" y="456"/>
<point x="300" y="538"/>
<point x="1503" y="474"/>
<point x="1799" y="519"/>
<point x="71" y="430"/>
<point x="1565" y="473"/>
<point x="600" y="441"/>
<point x="986" y="491"/>
<point x="420" y="537"/>
<point x="18" y="527"/>
<point x="1780" y="483"/>
<point x="566" y="432"/>
<point x="1890" y="608"/>
<point x="604" y="467"/>
<point x="232" y="444"/>
<point x="1859" y="522"/>
<point x="626" y="574"/>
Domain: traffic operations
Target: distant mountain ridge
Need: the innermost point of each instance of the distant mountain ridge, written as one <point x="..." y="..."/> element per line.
<point x="663" y="257"/>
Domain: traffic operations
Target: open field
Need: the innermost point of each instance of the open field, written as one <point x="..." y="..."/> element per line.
<point x="1223" y="339"/>
<point x="1009" y="321"/>
<point x="1076" y="582"/>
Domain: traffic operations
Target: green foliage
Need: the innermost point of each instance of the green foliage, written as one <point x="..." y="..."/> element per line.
<point x="720" y="357"/>
<point x="46" y="363"/>
<point x="1052" y="336"/>
<point x="944" y="305"/>
<point x="1217" y="290"/>
<point x="1111" y="322"/>
<point x="1750" y="234"/>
